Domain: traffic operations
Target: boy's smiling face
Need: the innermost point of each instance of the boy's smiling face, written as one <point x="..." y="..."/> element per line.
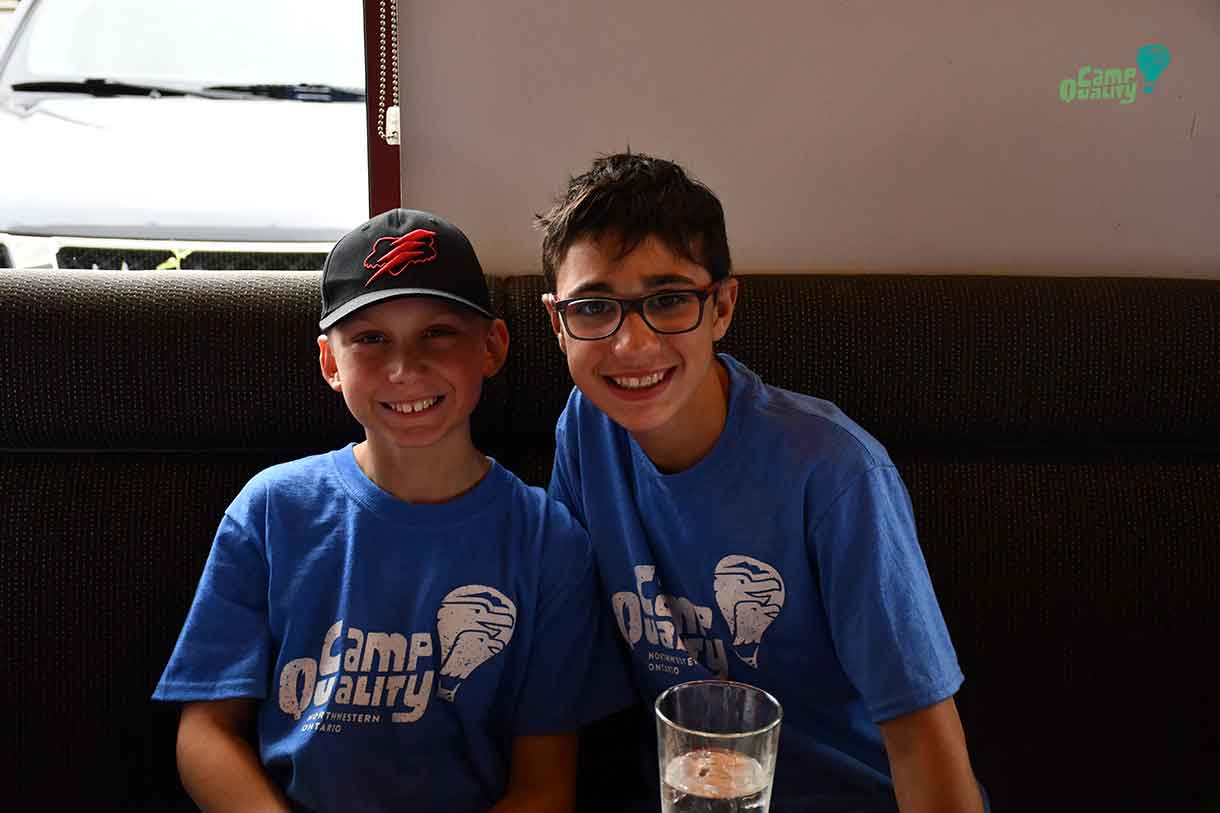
<point x="655" y="386"/>
<point x="411" y="369"/>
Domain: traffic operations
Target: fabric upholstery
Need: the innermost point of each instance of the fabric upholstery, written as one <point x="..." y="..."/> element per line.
<point x="1060" y="438"/>
<point x="995" y="361"/>
<point x="148" y="360"/>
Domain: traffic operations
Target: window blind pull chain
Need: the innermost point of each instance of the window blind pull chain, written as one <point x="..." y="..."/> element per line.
<point x="388" y="122"/>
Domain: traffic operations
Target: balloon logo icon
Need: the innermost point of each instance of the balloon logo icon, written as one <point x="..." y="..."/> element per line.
<point x="474" y="624"/>
<point x="1152" y="60"/>
<point x="750" y="594"/>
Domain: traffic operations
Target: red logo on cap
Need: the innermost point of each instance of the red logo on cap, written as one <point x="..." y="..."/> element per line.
<point x="413" y="247"/>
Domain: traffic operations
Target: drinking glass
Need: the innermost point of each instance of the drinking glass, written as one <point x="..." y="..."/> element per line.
<point x="716" y="743"/>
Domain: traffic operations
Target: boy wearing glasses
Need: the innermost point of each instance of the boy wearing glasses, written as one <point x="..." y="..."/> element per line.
<point x="742" y="531"/>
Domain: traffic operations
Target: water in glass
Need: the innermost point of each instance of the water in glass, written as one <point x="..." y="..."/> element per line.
<point x="715" y="780"/>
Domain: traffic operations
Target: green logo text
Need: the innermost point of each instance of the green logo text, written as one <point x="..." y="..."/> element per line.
<point x="1095" y="83"/>
<point x="1118" y="84"/>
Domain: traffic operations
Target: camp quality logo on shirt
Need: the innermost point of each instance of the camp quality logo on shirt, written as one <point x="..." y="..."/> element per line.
<point x="360" y="676"/>
<point x="749" y="594"/>
<point x="1116" y="84"/>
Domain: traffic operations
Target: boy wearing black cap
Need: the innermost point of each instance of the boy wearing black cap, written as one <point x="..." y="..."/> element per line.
<point x="404" y="623"/>
<point x="741" y="531"/>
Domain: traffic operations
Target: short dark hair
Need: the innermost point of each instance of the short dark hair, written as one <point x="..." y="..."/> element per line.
<point x="632" y="196"/>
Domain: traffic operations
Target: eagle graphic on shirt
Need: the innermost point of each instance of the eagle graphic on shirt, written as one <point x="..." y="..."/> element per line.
<point x="750" y="594"/>
<point x="474" y="623"/>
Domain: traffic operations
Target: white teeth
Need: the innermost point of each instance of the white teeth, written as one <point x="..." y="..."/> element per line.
<point x="414" y="406"/>
<point x="638" y="383"/>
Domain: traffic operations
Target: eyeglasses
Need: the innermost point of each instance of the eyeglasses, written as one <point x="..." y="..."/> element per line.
<point x="667" y="312"/>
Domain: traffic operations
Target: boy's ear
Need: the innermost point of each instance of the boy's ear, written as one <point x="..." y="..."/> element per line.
<point x="556" y="325"/>
<point x="326" y="360"/>
<point x="495" y="349"/>
<point x="723" y="306"/>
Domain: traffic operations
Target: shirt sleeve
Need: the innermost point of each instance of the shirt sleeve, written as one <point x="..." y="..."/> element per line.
<point x="576" y="672"/>
<point x="224" y="649"/>
<point x="564" y="486"/>
<point x="886" y="623"/>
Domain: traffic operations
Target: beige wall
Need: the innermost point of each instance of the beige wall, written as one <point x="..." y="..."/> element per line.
<point x="840" y="134"/>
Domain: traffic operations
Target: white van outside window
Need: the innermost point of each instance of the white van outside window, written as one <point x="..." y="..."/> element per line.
<point x="179" y="134"/>
<point x="7" y="7"/>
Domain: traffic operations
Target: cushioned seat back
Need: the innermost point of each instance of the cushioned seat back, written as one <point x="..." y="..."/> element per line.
<point x="958" y="360"/>
<point x="1080" y="595"/>
<point x="101" y="555"/>
<point x="203" y="360"/>
<point x="1059" y="438"/>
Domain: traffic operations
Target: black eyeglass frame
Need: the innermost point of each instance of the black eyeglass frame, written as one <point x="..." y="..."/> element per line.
<point x="636" y="305"/>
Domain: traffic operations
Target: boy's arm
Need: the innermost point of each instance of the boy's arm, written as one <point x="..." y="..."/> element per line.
<point x="928" y="760"/>
<point x="542" y="776"/>
<point x="891" y="638"/>
<point x="218" y="765"/>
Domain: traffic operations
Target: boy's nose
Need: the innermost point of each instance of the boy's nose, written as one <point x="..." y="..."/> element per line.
<point x="404" y="367"/>
<point x="635" y="337"/>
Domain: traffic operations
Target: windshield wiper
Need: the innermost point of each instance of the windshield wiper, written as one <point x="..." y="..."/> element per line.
<point x="110" y="88"/>
<point x="300" y="93"/>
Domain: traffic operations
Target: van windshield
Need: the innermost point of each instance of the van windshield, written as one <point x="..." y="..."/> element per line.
<point x="192" y="43"/>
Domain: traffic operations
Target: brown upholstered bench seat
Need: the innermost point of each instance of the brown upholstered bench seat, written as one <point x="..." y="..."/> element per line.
<point x="1060" y="438"/>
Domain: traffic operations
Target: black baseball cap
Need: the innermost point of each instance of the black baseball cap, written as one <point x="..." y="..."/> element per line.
<point x="402" y="252"/>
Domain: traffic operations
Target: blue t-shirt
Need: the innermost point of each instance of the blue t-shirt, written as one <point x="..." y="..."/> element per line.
<point x="786" y="558"/>
<point x="399" y="648"/>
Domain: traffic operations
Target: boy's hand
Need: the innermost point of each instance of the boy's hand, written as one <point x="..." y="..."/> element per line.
<point x="928" y="760"/>
<point x="542" y="775"/>
<point x="218" y="765"/>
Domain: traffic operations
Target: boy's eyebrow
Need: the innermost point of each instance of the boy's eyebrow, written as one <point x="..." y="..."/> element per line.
<point x="655" y="281"/>
<point x="355" y="321"/>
